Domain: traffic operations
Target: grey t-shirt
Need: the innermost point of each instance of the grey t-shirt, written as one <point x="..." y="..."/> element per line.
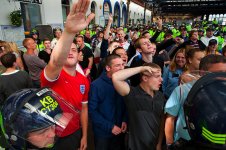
<point x="35" y="65"/>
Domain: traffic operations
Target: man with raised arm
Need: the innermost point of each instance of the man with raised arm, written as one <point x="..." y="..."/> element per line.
<point x="145" y="105"/>
<point x="60" y="74"/>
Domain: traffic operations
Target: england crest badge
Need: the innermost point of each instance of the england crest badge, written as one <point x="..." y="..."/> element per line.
<point x="82" y="89"/>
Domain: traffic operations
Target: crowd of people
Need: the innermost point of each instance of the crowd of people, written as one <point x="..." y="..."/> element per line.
<point x="128" y="85"/>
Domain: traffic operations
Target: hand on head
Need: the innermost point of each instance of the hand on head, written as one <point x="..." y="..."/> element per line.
<point x="149" y="71"/>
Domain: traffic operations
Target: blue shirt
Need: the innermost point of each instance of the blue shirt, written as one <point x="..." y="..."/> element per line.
<point x="174" y="107"/>
<point x="170" y="80"/>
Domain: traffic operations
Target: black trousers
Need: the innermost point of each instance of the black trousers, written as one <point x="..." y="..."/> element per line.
<point x="114" y="143"/>
<point x="70" y="142"/>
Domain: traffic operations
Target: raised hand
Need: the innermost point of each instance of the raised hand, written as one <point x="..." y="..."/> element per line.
<point x="110" y="18"/>
<point x="148" y="71"/>
<point x="76" y="20"/>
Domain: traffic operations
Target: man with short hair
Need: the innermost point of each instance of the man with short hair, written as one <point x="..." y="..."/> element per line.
<point x="107" y="108"/>
<point x="148" y="55"/>
<point x="57" y="32"/>
<point x="192" y="42"/>
<point x="12" y="79"/>
<point x="45" y="54"/>
<point x="209" y="36"/>
<point x="87" y="37"/>
<point x="34" y="63"/>
<point x="122" y="53"/>
<point x="35" y="36"/>
<point x="183" y="33"/>
<point x="144" y="105"/>
<point x="121" y="37"/>
<point x="87" y="62"/>
<point x="60" y="75"/>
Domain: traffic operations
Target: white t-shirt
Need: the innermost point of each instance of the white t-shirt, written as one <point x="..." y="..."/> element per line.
<point x="206" y="40"/>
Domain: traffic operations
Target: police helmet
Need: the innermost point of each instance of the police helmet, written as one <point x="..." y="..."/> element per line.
<point x="201" y="30"/>
<point x="205" y="111"/>
<point x="29" y="111"/>
<point x="34" y="31"/>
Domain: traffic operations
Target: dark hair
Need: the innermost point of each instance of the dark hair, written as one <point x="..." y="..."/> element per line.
<point x="182" y="27"/>
<point x="8" y="59"/>
<point x="223" y="50"/>
<point x="192" y="32"/>
<point x="126" y="37"/>
<point x="57" y="29"/>
<point x="114" y="41"/>
<point x="191" y="52"/>
<point x="208" y="60"/>
<point x="168" y="33"/>
<point x="109" y="58"/>
<point x="212" y="42"/>
<point x="98" y="34"/>
<point x="117" y="48"/>
<point x="46" y="39"/>
<point x="209" y="29"/>
<point x="145" y="32"/>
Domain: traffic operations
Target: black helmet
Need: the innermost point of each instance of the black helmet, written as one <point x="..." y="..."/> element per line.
<point x="205" y="111"/>
<point x="29" y="111"/>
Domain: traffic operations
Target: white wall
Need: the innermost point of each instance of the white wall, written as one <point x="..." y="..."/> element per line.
<point x="52" y="12"/>
<point x="5" y="8"/>
<point x="8" y="32"/>
<point x="137" y="9"/>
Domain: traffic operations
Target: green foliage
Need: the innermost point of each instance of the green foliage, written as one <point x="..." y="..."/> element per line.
<point x="16" y="18"/>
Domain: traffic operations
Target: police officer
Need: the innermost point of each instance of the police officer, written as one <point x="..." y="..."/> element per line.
<point x="32" y="119"/>
<point x="205" y="112"/>
<point x="35" y="36"/>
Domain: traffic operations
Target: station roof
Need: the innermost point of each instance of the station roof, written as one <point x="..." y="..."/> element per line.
<point x="195" y="7"/>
